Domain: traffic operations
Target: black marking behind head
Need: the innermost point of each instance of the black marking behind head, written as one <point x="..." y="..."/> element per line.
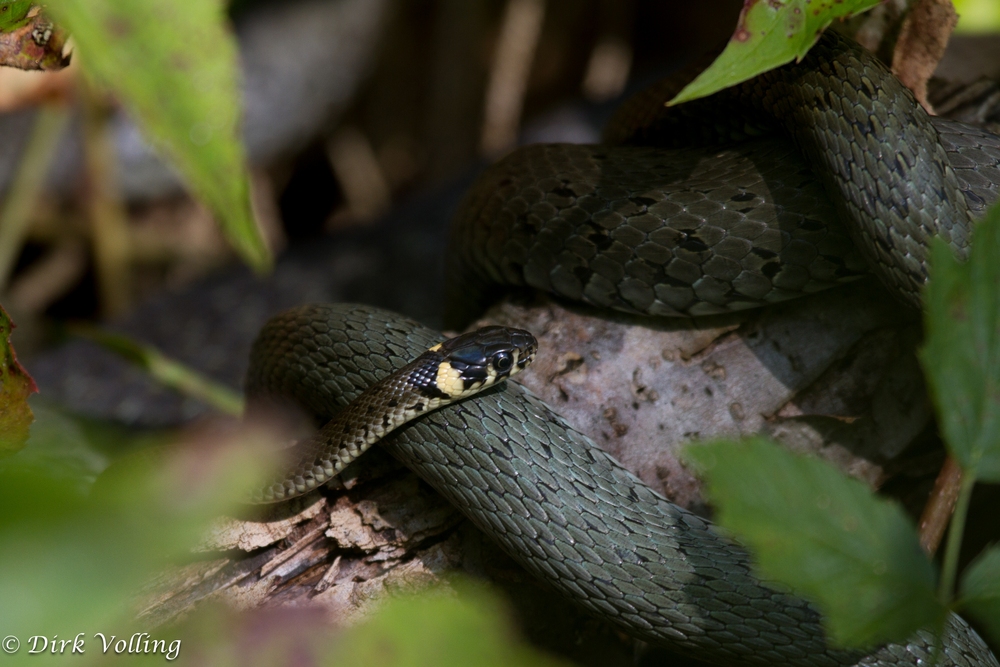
<point x="424" y="377"/>
<point x="432" y="391"/>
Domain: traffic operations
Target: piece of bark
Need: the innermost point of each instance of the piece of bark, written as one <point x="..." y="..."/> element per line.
<point x="250" y="535"/>
<point x="36" y="45"/>
<point x="923" y="38"/>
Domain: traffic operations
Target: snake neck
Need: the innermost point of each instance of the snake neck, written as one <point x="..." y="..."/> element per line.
<point x="451" y="370"/>
<point x="380" y="409"/>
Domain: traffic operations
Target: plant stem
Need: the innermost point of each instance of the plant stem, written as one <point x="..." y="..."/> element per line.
<point x="952" y="551"/>
<point x="954" y="546"/>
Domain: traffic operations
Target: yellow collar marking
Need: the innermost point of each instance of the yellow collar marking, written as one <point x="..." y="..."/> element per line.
<point x="449" y="380"/>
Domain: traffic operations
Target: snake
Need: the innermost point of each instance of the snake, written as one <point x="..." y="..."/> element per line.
<point x="862" y="188"/>
<point x="449" y="371"/>
<point x="836" y="172"/>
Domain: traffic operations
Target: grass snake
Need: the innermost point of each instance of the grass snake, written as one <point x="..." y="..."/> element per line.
<point x="557" y="503"/>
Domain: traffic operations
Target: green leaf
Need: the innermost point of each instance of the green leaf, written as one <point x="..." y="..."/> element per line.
<point x="173" y="65"/>
<point x="962" y="354"/>
<point x="14" y="14"/>
<point x="980" y="592"/>
<point x="769" y="34"/>
<point x="825" y="536"/>
<point x="15" y="387"/>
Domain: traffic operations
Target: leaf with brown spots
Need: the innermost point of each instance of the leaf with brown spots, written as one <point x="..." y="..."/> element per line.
<point x="769" y="33"/>
<point x="15" y="387"/>
<point x="173" y="64"/>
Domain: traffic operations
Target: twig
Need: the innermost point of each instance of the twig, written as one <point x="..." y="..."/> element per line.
<point x="519" y="32"/>
<point x="49" y="277"/>
<point x="329" y="576"/>
<point x="109" y="222"/>
<point x="454" y="101"/>
<point x="354" y="162"/>
<point x="283" y="557"/>
<point x="611" y="59"/>
<point x="940" y="506"/>
<point x="31" y="173"/>
<point x="607" y="70"/>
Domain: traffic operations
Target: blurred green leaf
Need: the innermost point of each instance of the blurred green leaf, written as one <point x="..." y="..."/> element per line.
<point x="438" y="629"/>
<point x="962" y="354"/>
<point x="15" y="387"/>
<point x="166" y="371"/>
<point x="61" y="447"/>
<point x="74" y="563"/>
<point x="173" y="64"/>
<point x="77" y="449"/>
<point x="827" y="537"/>
<point x="980" y="591"/>
<point x="977" y="16"/>
<point x="769" y="34"/>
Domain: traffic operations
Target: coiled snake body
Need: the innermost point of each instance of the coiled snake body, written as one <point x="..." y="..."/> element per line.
<point x="552" y="499"/>
<point x="858" y="179"/>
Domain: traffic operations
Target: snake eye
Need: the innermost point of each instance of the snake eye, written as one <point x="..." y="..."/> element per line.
<point x="502" y="361"/>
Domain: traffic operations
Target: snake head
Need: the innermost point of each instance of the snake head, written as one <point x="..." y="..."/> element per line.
<point x="478" y="359"/>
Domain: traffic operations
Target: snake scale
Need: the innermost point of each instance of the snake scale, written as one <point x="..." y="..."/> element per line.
<point x="550" y="497"/>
